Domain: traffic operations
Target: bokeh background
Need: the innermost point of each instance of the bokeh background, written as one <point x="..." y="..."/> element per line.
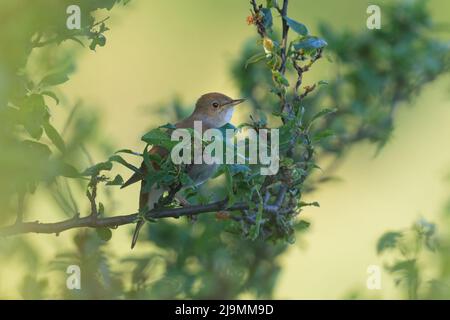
<point x="159" y="50"/>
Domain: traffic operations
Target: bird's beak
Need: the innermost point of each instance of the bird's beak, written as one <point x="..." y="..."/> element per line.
<point x="235" y="102"/>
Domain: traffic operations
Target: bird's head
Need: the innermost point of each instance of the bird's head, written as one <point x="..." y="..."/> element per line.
<point x="215" y="108"/>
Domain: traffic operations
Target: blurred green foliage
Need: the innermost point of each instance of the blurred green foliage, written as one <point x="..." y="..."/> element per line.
<point x="375" y="72"/>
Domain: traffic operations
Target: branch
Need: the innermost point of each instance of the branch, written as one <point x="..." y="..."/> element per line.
<point x="114" y="222"/>
<point x="283" y="13"/>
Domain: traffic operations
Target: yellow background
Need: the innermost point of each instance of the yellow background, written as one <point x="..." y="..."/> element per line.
<point x="158" y="49"/>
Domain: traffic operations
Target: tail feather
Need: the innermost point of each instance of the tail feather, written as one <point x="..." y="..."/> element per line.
<point x="147" y="201"/>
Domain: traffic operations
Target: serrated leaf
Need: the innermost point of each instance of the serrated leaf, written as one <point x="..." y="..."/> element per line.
<point x="159" y="137"/>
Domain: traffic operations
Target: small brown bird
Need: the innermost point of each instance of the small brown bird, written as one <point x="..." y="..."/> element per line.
<point x="214" y="110"/>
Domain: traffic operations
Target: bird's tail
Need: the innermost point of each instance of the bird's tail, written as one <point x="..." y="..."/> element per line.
<point x="147" y="202"/>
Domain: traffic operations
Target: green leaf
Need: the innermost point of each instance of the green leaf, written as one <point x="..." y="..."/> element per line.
<point x="168" y="126"/>
<point x="128" y="151"/>
<point x="98" y="40"/>
<point x="95" y="169"/>
<point x="298" y="27"/>
<point x="280" y="78"/>
<point x="268" y="20"/>
<point x="51" y="95"/>
<point x="104" y="234"/>
<point x="322" y="135"/>
<point x="118" y="181"/>
<point x="119" y="159"/>
<point x="255" y="58"/>
<point x="67" y="170"/>
<point x="101" y="209"/>
<point x="55" y="137"/>
<point x="271" y="4"/>
<point x="255" y="229"/>
<point x="322" y="113"/>
<point x="33" y="113"/>
<point x="310" y="43"/>
<point x="158" y="137"/>
<point x="309" y="204"/>
<point x="238" y="168"/>
<point x="302" y="225"/>
<point x="388" y="241"/>
<point x="229" y="185"/>
<point x="54" y="79"/>
<point x="39" y="150"/>
<point x="76" y="40"/>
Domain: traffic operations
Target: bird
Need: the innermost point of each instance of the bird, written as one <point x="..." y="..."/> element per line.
<point x="214" y="110"/>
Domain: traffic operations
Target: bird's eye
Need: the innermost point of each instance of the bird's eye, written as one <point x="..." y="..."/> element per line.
<point x="215" y="104"/>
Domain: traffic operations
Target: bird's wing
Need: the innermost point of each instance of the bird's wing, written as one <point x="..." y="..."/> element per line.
<point x="138" y="176"/>
<point x="162" y="152"/>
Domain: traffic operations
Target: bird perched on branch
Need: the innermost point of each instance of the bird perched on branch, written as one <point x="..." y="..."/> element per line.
<point x="214" y="110"/>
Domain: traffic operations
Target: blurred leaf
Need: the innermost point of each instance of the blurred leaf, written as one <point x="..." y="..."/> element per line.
<point x="268" y="20"/>
<point x="54" y="79"/>
<point x="319" y="136"/>
<point x="322" y="113"/>
<point x="51" y="95"/>
<point x="388" y="241"/>
<point x="104" y="234"/>
<point x="255" y="58"/>
<point x="302" y="225"/>
<point x="298" y="27"/>
<point x="309" y="43"/>
<point x="54" y="136"/>
<point x="67" y="170"/>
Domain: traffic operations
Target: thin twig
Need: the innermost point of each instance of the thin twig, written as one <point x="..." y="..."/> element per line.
<point x="113" y="222"/>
